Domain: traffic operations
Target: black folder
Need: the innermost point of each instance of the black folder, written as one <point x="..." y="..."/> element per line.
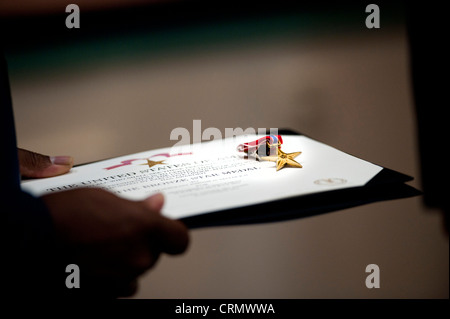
<point x="386" y="185"/>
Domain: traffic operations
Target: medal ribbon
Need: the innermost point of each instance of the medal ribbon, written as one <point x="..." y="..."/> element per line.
<point x="253" y="146"/>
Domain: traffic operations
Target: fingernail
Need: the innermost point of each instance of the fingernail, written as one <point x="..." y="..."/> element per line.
<point x="61" y="160"/>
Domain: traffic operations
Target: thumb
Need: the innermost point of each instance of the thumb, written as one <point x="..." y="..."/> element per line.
<point x="155" y="202"/>
<point x="168" y="235"/>
<point x="35" y="165"/>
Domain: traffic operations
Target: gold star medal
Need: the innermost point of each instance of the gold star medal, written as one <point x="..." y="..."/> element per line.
<point x="268" y="148"/>
<point x="282" y="159"/>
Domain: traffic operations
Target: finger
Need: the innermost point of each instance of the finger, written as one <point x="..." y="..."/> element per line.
<point x="170" y="236"/>
<point x="126" y="289"/>
<point x="35" y="165"/>
<point x="103" y="287"/>
<point x="155" y="202"/>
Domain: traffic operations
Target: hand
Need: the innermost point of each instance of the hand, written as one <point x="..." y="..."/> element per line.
<point x="113" y="240"/>
<point x="35" y="165"/>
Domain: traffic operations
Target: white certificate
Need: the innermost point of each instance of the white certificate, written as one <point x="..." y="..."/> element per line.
<point x="214" y="176"/>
